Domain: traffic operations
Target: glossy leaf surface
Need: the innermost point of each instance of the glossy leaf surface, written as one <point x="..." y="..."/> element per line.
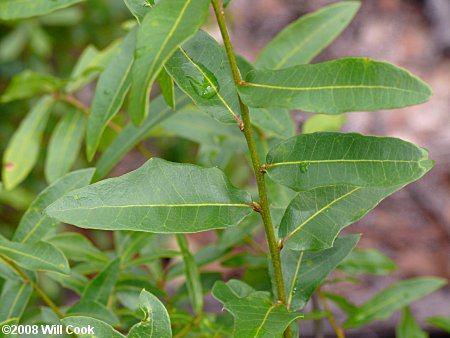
<point x="315" y="217"/>
<point x="321" y="159"/>
<point x="200" y="68"/>
<point x="162" y="30"/>
<point x="305" y="271"/>
<point x="334" y="87"/>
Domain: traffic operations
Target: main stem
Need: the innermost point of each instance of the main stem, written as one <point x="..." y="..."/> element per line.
<point x="260" y="181"/>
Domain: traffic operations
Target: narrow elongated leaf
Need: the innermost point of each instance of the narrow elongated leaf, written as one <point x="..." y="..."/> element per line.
<point x="367" y="261"/>
<point x="77" y="247"/>
<point x="130" y="243"/>
<point x="101" y="328"/>
<point x="112" y="87"/>
<point x="101" y="287"/>
<point x="440" y="322"/>
<point x="90" y="63"/>
<point x="192" y="275"/>
<point x="167" y="87"/>
<point x="392" y="299"/>
<point x="344" y="304"/>
<point x="274" y="122"/>
<point x="162" y="30"/>
<point x="304" y="271"/>
<point x="255" y="315"/>
<point x="37" y="256"/>
<point x="66" y="139"/>
<point x="23" y="148"/>
<point x="94" y="310"/>
<point x="201" y="69"/>
<point x="34" y="224"/>
<point x="14" y="298"/>
<point x="315" y="217"/>
<point x="320" y="159"/>
<point x="13" y="10"/>
<point x="132" y="135"/>
<point x="408" y="327"/>
<point x="339" y="86"/>
<point x="27" y="84"/>
<point x="306" y="37"/>
<point x="184" y="198"/>
<point x="156" y="322"/>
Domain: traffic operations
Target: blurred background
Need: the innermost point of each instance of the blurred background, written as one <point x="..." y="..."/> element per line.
<point x="412" y="227"/>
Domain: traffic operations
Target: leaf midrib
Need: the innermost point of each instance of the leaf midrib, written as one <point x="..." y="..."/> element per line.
<point x="306" y="89"/>
<point x="321" y="210"/>
<point x="276" y="164"/>
<point x="29" y="256"/>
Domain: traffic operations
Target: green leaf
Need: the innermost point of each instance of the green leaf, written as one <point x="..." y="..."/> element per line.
<point x="130" y="243"/>
<point x="441" y="322"/>
<point x="192" y="275"/>
<point x="8" y="322"/>
<point x="344" y="304"/>
<point x="11" y="10"/>
<point x="132" y="135"/>
<point x="306" y="37"/>
<point x="89" y="65"/>
<point x="408" y="327"/>
<point x="167" y="87"/>
<point x="139" y="8"/>
<point x="23" y="148"/>
<point x="14" y="299"/>
<point x="304" y="272"/>
<point x="201" y="69"/>
<point x="101" y="287"/>
<point x="322" y="122"/>
<point x="315" y="217"/>
<point x="185" y="198"/>
<point x="334" y="87"/>
<point x="156" y="322"/>
<point x="95" y="310"/>
<point x="77" y="247"/>
<point x="367" y="261"/>
<point x="112" y="87"/>
<point x="100" y="328"/>
<point x="274" y="122"/>
<point x="28" y="84"/>
<point x="392" y="299"/>
<point x="66" y="139"/>
<point x="197" y="126"/>
<point x="255" y="314"/>
<point x="162" y="30"/>
<point x="320" y="159"/>
<point x="40" y="256"/>
<point x="34" y="224"/>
